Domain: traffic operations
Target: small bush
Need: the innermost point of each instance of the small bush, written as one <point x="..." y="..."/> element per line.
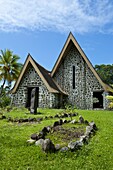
<point x="5" y="101"/>
<point x="8" y="108"/>
<point x="110" y="98"/>
<point x="69" y="108"/>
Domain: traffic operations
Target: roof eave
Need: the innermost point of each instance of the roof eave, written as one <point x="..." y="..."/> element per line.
<point x="29" y="59"/>
<point x="69" y="39"/>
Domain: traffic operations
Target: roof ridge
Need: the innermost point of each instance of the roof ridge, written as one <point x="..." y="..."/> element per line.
<point x="72" y="39"/>
<point x="38" y="63"/>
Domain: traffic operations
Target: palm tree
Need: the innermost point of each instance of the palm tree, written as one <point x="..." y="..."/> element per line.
<point x="9" y="67"/>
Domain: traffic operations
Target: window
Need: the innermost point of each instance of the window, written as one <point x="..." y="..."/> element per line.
<point x="73" y="77"/>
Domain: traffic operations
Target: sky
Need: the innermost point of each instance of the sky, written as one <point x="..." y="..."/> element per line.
<point x="42" y="27"/>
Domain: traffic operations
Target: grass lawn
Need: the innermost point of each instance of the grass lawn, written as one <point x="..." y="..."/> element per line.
<point x="16" y="154"/>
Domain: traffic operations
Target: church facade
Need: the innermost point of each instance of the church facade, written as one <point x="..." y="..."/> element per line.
<point x="73" y="80"/>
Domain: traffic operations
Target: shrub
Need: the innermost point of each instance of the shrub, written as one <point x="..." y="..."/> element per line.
<point x="110" y="98"/>
<point x="8" y="108"/>
<point x="69" y="108"/>
<point x="4" y="101"/>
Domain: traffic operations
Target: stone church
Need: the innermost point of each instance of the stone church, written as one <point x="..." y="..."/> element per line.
<point x="73" y="80"/>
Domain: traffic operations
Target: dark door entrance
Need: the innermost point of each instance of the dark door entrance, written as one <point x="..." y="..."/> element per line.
<point x="29" y="96"/>
<point x="97" y="99"/>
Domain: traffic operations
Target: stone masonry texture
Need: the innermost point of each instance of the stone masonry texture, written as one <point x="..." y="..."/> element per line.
<point x="85" y="81"/>
<point x="30" y="79"/>
<point x="81" y="96"/>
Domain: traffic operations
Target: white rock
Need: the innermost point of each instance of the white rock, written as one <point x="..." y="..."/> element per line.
<point x="31" y="141"/>
<point x="75" y="145"/>
<point x="64" y="149"/>
<point x="73" y="121"/>
<point x="48" y="146"/>
<point x="39" y="142"/>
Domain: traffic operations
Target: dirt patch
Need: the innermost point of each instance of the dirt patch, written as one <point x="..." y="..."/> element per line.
<point x="67" y="134"/>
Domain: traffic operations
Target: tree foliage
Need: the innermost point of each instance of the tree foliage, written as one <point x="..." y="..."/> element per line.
<point x="4" y="98"/>
<point x="9" y="67"/>
<point x="105" y="72"/>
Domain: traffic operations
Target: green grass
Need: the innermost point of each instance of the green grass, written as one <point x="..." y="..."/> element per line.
<point x="24" y="113"/>
<point x="16" y="154"/>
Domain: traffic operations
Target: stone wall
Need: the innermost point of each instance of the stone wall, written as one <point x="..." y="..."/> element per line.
<point x="31" y="78"/>
<point x="85" y="81"/>
<point x="85" y="84"/>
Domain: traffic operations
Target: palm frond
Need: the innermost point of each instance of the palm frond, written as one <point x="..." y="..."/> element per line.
<point x="9" y="66"/>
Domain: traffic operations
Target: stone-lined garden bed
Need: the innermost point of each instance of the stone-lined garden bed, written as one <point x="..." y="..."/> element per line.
<point x="39" y="119"/>
<point x="73" y="145"/>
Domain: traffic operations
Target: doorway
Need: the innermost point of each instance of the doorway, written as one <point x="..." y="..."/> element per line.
<point x="97" y="99"/>
<point x="28" y="99"/>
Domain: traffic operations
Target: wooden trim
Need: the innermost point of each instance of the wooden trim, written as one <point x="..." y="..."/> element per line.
<point x="61" y="55"/>
<point x="69" y="39"/>
<point x="30" y="60"/>
<point x="21" y="74"/>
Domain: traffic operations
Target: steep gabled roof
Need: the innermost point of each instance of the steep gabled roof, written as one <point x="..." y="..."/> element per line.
<point x="71" y="40"/>
<point x="42" y="72"/>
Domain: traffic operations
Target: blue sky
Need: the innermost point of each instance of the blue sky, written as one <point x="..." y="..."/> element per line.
<point x="41" y="28"/>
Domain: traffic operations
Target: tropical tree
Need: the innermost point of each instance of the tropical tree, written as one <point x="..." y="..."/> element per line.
<point x="105" y="72"/>
<point x="9" y="67"/>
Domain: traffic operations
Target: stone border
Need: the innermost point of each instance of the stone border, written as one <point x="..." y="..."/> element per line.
<point x="23" y="120"/>
<point x="48" y="146"/>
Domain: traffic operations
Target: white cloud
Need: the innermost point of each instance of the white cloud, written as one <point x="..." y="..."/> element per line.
<point x="58" y="15"/>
